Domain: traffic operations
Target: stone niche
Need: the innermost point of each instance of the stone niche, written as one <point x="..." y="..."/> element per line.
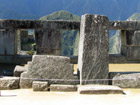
<point x="48" y="41"/>
<point x="54" y="69"/>
<point x="7" y="41"/>
<point x="131" y="47"/>
<point x="93" y="59"/>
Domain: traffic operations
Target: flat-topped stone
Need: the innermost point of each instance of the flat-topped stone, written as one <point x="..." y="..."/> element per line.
<point x="40" y="86"/>
<point x="7" y="83"/>
<point x="18" y="70"/>
<point x="99" y="89"/>
<point x="63" y="88"/>
<point x="55" y="69"/>
<point x="127" y="80"/>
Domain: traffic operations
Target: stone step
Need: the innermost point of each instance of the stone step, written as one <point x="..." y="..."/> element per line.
<point x="129" y="80"/>
<point x="63" y="88"/>
<point x="40" y="86"/>
<point x="99" y="89"/>
<point x="18" y="70"/>
<point x="8" y="83"/>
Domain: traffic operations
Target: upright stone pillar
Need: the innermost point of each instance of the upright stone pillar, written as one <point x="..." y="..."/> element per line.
<point x="132" y="48"/>
<point x="93" y="60"/>
<point x="7" y="41"/>
<point x="136" y="38"/>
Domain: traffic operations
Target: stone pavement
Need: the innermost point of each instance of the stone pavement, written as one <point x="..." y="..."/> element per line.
<point x="28" y="97"/>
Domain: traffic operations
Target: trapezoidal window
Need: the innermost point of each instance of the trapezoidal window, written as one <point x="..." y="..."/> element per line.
<point x="26" y="44"/>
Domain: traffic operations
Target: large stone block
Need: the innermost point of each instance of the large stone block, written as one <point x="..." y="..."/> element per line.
<point x="93" y="56"/>
<point x="99" y="89"/>
<point x="131" y="52"/>
<point x="15" y="59"/>
<point x="18" y="70"/>
<point x="25" y="81"/>
<point x="63" y="88"/>
<point x="127" y="80"/>
<point x="7" y="83"/>
<point x="40" y="86"/>
<point x="55" y="69"/>
<point x="136" y="38"/>
<point x="7" y="42"/>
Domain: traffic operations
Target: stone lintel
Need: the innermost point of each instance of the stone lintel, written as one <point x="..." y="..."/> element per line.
<point x="34" y="24"/>
<point x="124" y="25"/>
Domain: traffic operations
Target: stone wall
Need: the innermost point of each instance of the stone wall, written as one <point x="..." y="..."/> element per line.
<point x="7" y="42"/>
<point x="54" y="69"/>
<point x="47" y="34"/>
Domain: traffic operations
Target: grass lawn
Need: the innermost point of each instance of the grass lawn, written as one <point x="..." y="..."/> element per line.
<point x="121" y="67"/>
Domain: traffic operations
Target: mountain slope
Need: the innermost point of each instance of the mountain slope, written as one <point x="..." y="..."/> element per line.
<point x="68" y="36"/>
<point x="61" y="15"/>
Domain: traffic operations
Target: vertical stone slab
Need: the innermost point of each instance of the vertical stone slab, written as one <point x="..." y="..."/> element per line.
<point x="7" y="41"/>
<point x="129" y="36"/>
<point x="136" y="38"/>
<point x="93" y="57"/>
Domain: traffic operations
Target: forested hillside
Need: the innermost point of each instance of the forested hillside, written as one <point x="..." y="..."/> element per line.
<point x="69" y="37"/>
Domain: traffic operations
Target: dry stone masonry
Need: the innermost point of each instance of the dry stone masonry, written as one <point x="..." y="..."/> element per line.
<point x="63" y="88"/>
<point x="49" y="67"/>
<point x="54" y="69"/>
<point x="47" y="35"/>
<point x="8" y="83"/>
<point x="40" y="86"/>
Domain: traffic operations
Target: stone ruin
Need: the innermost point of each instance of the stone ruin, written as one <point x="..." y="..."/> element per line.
<point x="93" y="58"/>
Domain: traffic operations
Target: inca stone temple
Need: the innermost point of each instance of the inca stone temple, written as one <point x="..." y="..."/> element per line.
<point x="48" y="69"/>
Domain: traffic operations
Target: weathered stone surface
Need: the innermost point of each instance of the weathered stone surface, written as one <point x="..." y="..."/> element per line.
<point x="16" y="59"/>
<point x="113" y="58"/>
<point x="18" y="70"/>
<point x="34" y="24"/>
<point x="48" y="41"/>
<point x="93" y="56"/>
<point x="136" y="38"/>
<point x="131" y="52"/>
<point x="129" y="36"/>
<point x="7" y="42"/>
<point x="63" y="88"/>
<point x="117" y="58"/>
<point x="124" y="25"/>
<point x="113" y="74"/>
<point x="55" y="69"/>
<point x="127" y="80"/>
<point x="25" y="81"/>
<point x="40" y="86"/>
<point x="7" y="83"/>
<point x="99" y="89"/>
